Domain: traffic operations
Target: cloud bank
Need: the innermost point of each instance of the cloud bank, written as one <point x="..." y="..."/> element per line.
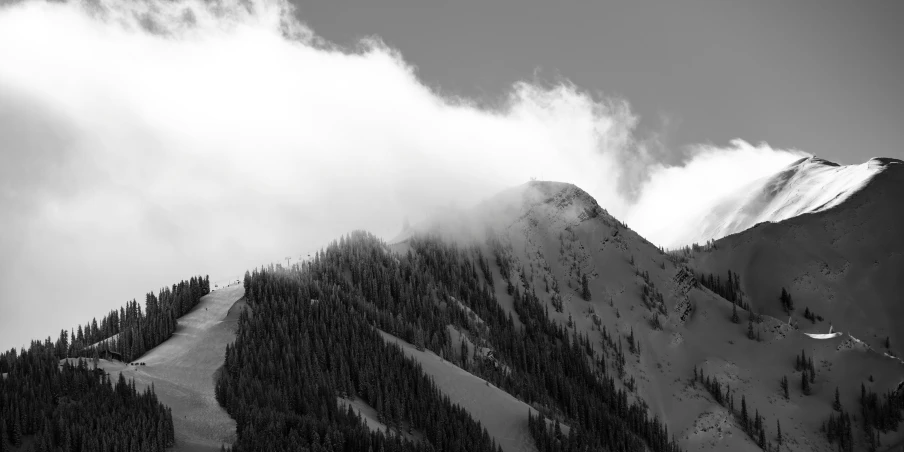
<point x="143" y="142"/>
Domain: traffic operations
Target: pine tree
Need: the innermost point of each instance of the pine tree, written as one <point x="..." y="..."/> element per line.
<point x="585" y="291"/>
<point x="778" y="426"/>
<point x="836" y="405"/>
<point x="744" y="419"/>
<point x="784" y="384"/>
<point x="734" y="313"/>
<point x="804" y="382"/>
<point x="15" y="433"/>
<point x="750" y="334"/>
<point x="887" y="342"/>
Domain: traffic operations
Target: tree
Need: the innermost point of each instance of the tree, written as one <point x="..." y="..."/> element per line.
<point x="744" y="419"/>
<point x="784" y="384"/>
<point x="787" y="301"/>
<point x="836" y="405"/>
<point x="887" y="342"/>
<point x="734" y="313"/>
<point x="750" y="334"/>
<point x="585" y="291"/>
<point x="778" y="427"/>
<point x="804" y="382"/>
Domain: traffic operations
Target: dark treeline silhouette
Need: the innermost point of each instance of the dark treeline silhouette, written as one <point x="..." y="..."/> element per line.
<point x="69" y="407"/>
<point x="310" y="340"/>
<point x="313" y="324"/>
<point x="135" y="331"/>
<point x="786" y="300"/>
<point x="878" y="414"/>
<point x="683" y="254"/>
<point x="729" y="289"/>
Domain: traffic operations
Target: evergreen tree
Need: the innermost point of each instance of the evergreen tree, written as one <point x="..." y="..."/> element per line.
<point x="784" y="385"/>
<point x="744" y="419"/>
<point x="750" y="334"/>
<point x="585" y="291"/>
<point x="836" y="405"/>
<point x="734" y="313"/>
<point x="778" y="427"/>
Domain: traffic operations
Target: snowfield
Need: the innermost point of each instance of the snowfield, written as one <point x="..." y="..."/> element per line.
<point x="504" y="416"/>
<point x="806" y="186"/>
<point x="183" y="370"/>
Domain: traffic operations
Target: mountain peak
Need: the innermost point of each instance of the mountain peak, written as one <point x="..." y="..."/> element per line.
<point x="549" y="198"/>
<point x="812" y="161"/>
<point x="809" y="185"/>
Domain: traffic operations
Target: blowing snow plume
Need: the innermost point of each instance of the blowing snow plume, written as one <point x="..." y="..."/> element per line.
<point x="143" y="142"/>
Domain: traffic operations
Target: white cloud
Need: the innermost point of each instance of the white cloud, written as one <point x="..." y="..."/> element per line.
<point x="147" y="141"/>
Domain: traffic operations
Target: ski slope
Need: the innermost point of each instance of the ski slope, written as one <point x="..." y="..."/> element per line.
<point x="183" y="370"/>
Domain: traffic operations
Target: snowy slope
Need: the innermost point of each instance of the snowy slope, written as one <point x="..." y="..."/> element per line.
<point x="182" y="370"/>
<point x="845" y="262"/>
<point x="556" y="231"/>
<point x="806" y="186"/>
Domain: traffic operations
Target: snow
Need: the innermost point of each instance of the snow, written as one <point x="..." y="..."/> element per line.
<point x="371" y="418"/>
<point x="183" y="369"/>
<point x="824" y="335"/>
<point x="503" y="415"/>
<point x="102" y="341"/>
<point x="825" y="261"/>
<point x="806" y="186"/>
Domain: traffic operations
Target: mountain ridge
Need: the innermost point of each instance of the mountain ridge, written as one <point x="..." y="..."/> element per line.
<point x="808" y="185"/>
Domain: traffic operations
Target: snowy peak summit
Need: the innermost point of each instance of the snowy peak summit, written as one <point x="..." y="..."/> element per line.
<point x="554" y="197"/>
<point x="808" y="185"/>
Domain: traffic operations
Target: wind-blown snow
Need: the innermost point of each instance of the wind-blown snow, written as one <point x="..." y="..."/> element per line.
<point x="806" y="186"/>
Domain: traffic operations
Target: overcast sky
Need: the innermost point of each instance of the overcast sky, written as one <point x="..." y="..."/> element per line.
<point x="144" y="142"/>
<point x="823" y="76"/>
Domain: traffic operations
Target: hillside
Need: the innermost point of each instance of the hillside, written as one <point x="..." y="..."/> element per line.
<point x="182" y="371"/>
<point x="808" y="185"/>
<point x="551" y="235"/>
<point x="843" y="262"/>
<point x="534" y="321"/>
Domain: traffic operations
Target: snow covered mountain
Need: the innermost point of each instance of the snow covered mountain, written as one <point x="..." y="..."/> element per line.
<point x="843" y="259"/>
<point x="553" y="235"/>
<point x="808" y="185"/>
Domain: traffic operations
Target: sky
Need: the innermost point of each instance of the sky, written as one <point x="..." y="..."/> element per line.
<point x="823" y="76"/>
<point x="146" y="142"/>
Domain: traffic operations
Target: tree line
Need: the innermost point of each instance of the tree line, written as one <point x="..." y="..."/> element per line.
<point x="70" y="407"/>
<point x="130" y="331"/>
<point x="415" y="296"/>
<point x="75" y="407"/>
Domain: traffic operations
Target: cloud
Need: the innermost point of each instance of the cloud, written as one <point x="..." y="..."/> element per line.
<point x="147" y="141"/>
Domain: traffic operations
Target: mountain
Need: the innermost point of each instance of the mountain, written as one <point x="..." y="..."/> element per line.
<point x="839" y="250"/>
<point x="808" y="185"/>
<point x="551" y="235"/>
<point x="533" y="321"/>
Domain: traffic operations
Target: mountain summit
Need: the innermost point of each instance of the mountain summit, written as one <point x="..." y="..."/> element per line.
<point x="806" y="186"/>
